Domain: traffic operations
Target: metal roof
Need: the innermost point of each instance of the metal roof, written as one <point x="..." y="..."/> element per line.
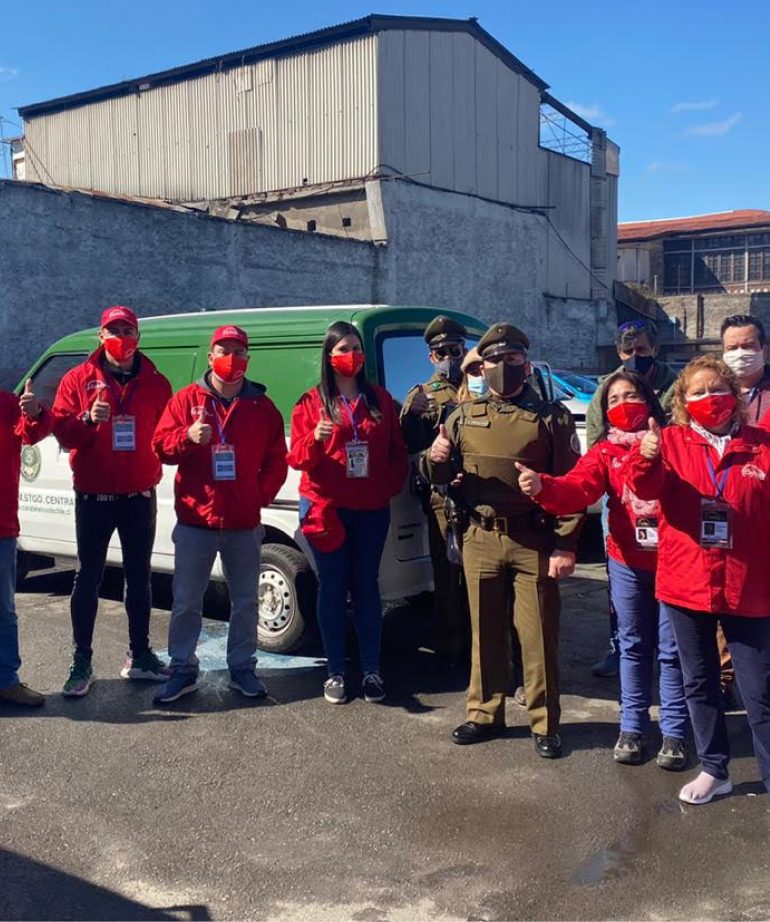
<point x="296" y="44"/>
<point x="720" y="221"/>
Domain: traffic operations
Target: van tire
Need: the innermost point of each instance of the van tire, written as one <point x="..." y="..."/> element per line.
<point x="286" y="594"/>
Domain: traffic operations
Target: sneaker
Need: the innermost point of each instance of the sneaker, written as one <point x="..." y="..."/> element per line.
<point x="81" y="678"/>
<point x="609" y="666"/>
<point x="629" y="748"/>
<point x="22" y="695"/>
<point x="180" y="683"/>
<point x="373" y="687"/>
<point x="145" y="666"/>
<point x="246" y="682"/>
<point x="334" y="690"/>
<point x="673" y="754"/>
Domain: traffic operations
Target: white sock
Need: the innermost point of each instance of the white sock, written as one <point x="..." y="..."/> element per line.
<point x="700" y="788"/>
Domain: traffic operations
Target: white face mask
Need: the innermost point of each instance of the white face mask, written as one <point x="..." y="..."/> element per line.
<point x="744" y="362"/>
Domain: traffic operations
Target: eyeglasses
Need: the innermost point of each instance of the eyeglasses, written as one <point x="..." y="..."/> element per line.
<point x="452" y="352"/>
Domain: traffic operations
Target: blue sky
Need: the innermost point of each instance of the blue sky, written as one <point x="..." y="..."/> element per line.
<point x="681" y="85"/>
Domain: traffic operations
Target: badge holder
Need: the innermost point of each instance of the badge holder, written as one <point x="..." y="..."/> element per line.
<point x="124" y="433"/>
<point x="715" y="524"/>
<point x="357" y="459"/>
<point x="646" y="532"/>
<point x="223" y="462"/>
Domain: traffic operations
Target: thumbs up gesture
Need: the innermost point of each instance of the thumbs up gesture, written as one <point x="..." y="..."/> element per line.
<point x="28" y="403"/>
<point x="323" y="429"/>
<point x="650" y="444"/>
<point x="441" y="447"/>
<point x="200" y="432"/>
<point x="100" y="411"/>
<point x="420" y="402"/>
<point x="529" y="481"/>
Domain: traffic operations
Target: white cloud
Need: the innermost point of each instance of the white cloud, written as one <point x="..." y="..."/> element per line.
<point x="715" y="129"/>
<point x="592" y="113"/>
<point x="665" y="166"/>
<point x="700" y="106"/>
<point x="8" y="73"/>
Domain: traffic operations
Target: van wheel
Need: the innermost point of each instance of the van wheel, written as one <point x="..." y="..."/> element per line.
<point x="286" y="594"/>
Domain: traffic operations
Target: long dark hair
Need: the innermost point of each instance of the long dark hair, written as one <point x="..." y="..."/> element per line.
<point x="643" y="388"/>
<point x="327" y="387"/>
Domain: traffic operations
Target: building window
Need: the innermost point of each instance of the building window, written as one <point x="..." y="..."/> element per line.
<point x="716" y="263"/>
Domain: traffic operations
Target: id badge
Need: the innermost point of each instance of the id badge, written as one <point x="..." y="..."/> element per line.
<point x="357" y="459"/>
<point x="715" y="524"/>
<point x="646" y="532"/>
<point x="223" y="462"/>
<point x="124" y="433"/>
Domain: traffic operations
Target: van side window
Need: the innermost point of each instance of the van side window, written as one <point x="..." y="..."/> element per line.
<point x="404" y="361"/>
<point x="46" y="379"/>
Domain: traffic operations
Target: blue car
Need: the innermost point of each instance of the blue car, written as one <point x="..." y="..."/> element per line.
<point x="573" y="382"/>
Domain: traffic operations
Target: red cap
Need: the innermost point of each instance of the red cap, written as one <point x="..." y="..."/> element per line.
<point x="118" y="312"/>
<point x="230" y="332"/>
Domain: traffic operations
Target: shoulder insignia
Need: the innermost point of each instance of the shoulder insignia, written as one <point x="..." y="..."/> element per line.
<point x="436" y="386"/>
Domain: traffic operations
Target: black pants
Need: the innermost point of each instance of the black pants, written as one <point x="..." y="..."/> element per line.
<point x="749" y="642"/>
<point x="96" y="518"/>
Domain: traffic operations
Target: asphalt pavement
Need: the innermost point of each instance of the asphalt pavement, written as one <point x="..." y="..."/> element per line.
<point x="222" y="808"/>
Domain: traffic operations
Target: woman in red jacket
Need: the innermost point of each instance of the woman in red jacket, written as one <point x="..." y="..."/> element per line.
<point x="346" y="440"/>
<point x="627" y="403"/>
<point x="711" y="474"/>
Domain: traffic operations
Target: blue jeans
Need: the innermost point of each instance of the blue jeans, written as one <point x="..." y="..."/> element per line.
<point x="749" y="643"/>
<point x="9" y="631"/>
<point x="196" y="550"/>
<point x="355" y="567"/>
<point x="643" y="628"/>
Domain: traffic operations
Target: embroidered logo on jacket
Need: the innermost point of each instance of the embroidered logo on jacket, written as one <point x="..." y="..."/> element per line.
<point x="751" y="470"/>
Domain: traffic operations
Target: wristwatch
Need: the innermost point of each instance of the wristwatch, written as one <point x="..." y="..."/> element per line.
<point x="86" y="418"/>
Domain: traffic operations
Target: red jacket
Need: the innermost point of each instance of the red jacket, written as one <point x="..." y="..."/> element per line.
<point x="16" y="430"/>
<point x="96" y="467"/>
<point x="324" y="474"/>
<point x="253" y="426"/>
<point x="602" y="470"/>
<point x="714" y="580"/>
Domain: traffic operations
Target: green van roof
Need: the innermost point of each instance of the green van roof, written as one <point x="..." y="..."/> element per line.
<point x="276" y="323"/>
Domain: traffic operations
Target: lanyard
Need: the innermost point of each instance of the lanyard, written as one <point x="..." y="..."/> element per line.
<point x="119" y="394"/>
<point x="228" y="414"/>
<point x="719" y="484"/>
<point x="351" y="411"/>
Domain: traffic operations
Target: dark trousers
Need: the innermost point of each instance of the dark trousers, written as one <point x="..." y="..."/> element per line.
<point x="96" y="518"/>
<point x="354" y="567"/>
<point x="749" y="640"/>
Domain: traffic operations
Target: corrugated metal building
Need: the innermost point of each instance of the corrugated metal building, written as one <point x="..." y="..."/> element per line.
<point x="302" y="132"/>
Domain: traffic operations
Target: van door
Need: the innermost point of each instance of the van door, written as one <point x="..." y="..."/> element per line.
<point x="46" y="500"/>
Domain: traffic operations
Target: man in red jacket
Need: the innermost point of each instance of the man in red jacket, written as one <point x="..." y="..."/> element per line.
<point x="105" y="413"/>
<point x="228" y="441"/>
<point x="23" y="421"/>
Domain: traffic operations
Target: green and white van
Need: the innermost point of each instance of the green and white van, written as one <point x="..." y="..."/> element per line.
<point x="285" y="347"/>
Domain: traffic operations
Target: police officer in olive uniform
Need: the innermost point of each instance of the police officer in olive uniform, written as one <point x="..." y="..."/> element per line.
<point x="426" y="407"/>
<point x="510" y="547"/>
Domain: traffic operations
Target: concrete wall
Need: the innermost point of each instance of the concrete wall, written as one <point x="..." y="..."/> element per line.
<point x="67" y="255"/>
<point x="683" y="310"/>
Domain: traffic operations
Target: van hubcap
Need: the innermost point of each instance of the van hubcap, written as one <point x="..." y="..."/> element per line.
<point x="276" y="602"/>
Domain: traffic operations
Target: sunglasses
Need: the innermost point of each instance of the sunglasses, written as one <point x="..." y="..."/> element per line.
<point x="636" y="326"/>
<point x="448" y="352"/>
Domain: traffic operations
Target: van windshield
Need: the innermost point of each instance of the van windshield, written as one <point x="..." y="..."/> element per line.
<point x="404" y="361"/>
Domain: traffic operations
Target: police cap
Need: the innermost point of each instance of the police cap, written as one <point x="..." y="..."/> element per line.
<point x="501" y="338"/>
<point x="443" y="330"/>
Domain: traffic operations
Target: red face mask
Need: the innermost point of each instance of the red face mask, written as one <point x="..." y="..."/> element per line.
<point x="120" y="348"/>
<point x="229" y="368"/>
<point x="629" y="416"/>
<point x="348" y="363"/>
<point x="711" y="411"/>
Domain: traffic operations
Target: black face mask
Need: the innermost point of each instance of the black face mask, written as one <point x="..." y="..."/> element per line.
<point x="451" y="369"/>
<point x="505" y="379"/>
<point x="641" y="364"/>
